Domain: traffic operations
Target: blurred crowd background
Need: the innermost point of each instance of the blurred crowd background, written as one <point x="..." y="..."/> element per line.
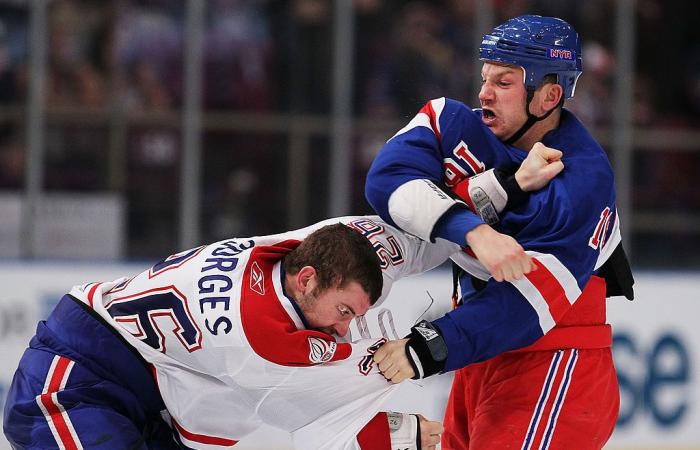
<point x="113" y="98"/>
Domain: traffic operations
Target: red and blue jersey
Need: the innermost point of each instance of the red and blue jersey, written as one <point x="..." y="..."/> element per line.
<point x="569" y="227"/>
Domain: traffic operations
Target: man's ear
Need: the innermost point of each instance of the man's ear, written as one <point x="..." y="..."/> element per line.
<point x="306" y="275"/>
<point x="552" y="96"/>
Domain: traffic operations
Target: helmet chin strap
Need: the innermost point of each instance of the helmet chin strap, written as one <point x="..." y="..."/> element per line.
<point x="531" y="118"/>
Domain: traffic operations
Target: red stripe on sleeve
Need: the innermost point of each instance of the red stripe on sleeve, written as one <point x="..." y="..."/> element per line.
<point x="202" y="438"/>
<point x="375" y="435"/>
<point x="428" y="109"/>
<point x="57" y="418"/>
<point x="58" y="374"/>
<point x="52" y="407"/>
<point x="91" y="293"/>
<point x="550" y="289"/>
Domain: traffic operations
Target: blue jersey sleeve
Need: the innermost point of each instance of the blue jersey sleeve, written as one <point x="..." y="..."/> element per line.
<point x="495" y="320"/>
<point x="442" y="145"/>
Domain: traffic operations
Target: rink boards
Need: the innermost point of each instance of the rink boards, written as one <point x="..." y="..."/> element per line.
<point x="656" y="345"/>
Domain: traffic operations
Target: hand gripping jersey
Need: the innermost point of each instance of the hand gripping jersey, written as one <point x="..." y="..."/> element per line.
<point x="570" y="227"/>
<point x="228" y="349"/>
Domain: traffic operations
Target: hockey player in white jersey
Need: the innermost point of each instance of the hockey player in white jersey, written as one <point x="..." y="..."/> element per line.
<point x="217" y="340"/>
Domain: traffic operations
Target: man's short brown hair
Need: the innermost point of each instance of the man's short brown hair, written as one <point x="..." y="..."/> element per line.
<point x="340" y="255"/>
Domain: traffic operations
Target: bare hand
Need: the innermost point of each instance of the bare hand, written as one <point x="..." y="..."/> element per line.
<point x="541" y="165"/>
<point x="429" y="433"/>
<point x="392" y="361"/>
<point x="499" y="253"/>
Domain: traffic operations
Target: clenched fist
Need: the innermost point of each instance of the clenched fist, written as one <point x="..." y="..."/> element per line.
<point x="539" y="167"/>
<point x="392" y="361"/>
<point x="499" y="253"/>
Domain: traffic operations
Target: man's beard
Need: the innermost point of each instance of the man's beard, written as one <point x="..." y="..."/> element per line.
<point x="306" y="303"/>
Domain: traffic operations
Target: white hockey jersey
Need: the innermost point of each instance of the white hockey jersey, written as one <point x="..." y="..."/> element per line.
<point x="229" y="349"/>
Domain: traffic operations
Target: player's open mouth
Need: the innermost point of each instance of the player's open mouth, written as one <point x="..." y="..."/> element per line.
<point x="488" y="116"/>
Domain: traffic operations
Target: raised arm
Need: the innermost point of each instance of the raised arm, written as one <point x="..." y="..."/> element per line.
<point x="410" y="183"/>
<point x="406" y="183"/>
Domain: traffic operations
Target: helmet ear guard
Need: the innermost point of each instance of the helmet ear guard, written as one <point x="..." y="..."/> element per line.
<point x="541" y="46"/>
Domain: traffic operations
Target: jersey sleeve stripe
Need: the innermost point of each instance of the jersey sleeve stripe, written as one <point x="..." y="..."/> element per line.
<point x="202" y="438"/>
<point x="433" y="109"/>
<point x="551" y="289"/>
<point x="56" y="416"/>
<point x="560" y="274"/>
<point x="533" y="296"/>
<point x="552" y="292"/>
<point x="436" y="107"/>
<point x="428" y="117"/>
<point x="420" y="120"/>
<point x="91" y="295"/>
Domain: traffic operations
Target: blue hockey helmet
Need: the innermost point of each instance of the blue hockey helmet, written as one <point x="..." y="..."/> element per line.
<point x="541" y="46"/>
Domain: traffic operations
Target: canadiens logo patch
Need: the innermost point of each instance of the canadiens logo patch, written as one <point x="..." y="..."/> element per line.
<point x="321" y="350"/>
<point x="257" y="279"/>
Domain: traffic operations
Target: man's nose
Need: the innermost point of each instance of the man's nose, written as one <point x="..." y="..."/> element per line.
<point x="485" y="93"/>
<point x="341" y="328"/>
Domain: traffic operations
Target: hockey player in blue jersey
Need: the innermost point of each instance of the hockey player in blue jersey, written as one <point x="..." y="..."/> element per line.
<point x="539" y="370"/>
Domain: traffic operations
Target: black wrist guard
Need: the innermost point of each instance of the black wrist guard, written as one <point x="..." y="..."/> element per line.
<point x="516" y="196"/>
<point x="427" y="343"/>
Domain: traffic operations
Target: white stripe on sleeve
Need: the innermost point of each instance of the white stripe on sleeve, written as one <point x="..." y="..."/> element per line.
<point x="420" y="120"/>
<point x="533" y="296"/>
<point x="438" y="105"/>
<point x="561" y="273"/>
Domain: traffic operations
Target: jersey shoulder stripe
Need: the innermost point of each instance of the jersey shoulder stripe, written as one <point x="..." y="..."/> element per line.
<point x="428" y="117"/>
<point x="419" y="120"/>
<point x="434" y="110"/>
